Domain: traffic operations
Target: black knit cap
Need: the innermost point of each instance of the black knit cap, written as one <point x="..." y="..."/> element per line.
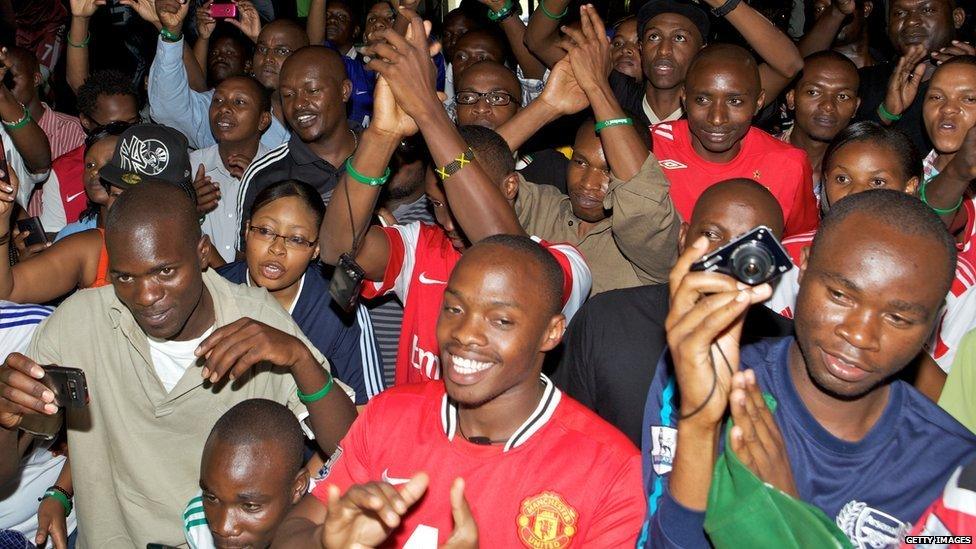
<point x="692" y="11"/>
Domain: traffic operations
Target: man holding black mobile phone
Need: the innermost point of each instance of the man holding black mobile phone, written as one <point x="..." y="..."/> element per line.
<point x="141" y="344"/>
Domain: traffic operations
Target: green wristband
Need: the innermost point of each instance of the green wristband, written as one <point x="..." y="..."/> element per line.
<point x="549" y="14"/>
<point x="318" y="395"/>
<point x="371" y="181"/>
<point x="20" y="123"/>
<point x="65" y="502"/>
<point x="600" y="126"/>
<point x="84" y="43"/>
<point x="940" y="211"/>
<point x="501" y="14"/>
<point x="883" y="113"/>
<point x="169" y="36"/>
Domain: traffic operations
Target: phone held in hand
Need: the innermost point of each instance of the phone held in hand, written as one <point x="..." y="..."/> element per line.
<point x="223" y="10"/>
<point x="37" y="234"/>
<point x="70" y="388"/>
<point x="347" y="282"/>
<point x="753" y="258"/>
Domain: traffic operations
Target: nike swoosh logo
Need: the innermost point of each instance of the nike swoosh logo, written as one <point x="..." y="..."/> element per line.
<point x="425" y="280"/>
<point x="364" y="92"/>
<point x="385" y="477"/>
<point x="71" y="197"/>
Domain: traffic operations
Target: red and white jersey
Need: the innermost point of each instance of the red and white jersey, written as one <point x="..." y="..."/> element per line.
<point x="783" y="300"/>
<point x="421" y="261"/>
<point x="565" y="479"/>
<point x="780" y="167"/>
<point x="958" y="316"/>
<point x="952" y="514"/>
<point x="967" y="248"/>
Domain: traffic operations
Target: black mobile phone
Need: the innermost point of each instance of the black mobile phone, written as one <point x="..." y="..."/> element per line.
<point x="347" y="282"/>
<point x="70" y="390"/>
<point x="32" y="224"/>
<point x="160" y="546"/>
<point x="753" y="258"/>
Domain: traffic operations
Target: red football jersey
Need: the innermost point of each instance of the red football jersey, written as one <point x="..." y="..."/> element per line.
<point x="966" y="247"/>
<point x="565" y="479"/>
<point x="421" y="262"/>
<point x="780" y="167"/>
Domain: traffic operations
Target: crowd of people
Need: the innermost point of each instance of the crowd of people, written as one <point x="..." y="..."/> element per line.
<point x="326" y="274"/>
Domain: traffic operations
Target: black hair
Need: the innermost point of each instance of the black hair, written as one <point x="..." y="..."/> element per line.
<point x="903" y="212"/>
<point x="157" y="202"/>
<point x="829" y="55"/>
<point x="491" y="150"/>
<point x="550" y="279"/>
<point x="233" y="33"/>
<point x="291" y="187"/>
<point x="264" y="94"/>
<point x="256" y="421"/>
<point x="104" y="82"/>
<point x="354" y="16"/>
<point x="957" y="60"/>
<point x="894" y="140"/>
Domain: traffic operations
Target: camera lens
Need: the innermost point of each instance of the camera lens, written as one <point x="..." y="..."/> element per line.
<point x="751" y="264"/>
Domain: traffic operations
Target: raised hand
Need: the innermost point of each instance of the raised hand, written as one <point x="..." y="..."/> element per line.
<point x="233" y="349"/>
<point x="756" y="438"/>
<point x="964" y="161"/>
<point x="205" y="23"/>
<point x="145" y="8"/>
<point x="208" y="192"/>
<point x="904" y="82"/>
<point x="703" y="328"/>
<point x="21" y="391"/>
<point x="493" y="5"/>
<point x="404" y="62"/>
<point x="23" y="250"/>
<point x="250" y="20"/>
<point x="85" y="8"/>
<point x="388" y="117"/>
<point x="367" y="513"/>
<point x="170" y="13"/>
<point x="562" y="92"/>
<point x="590" y="57"/>
<point x="955" y="48"/>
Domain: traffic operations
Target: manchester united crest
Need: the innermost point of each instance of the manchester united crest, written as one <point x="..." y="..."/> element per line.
<point x="546" y="521"/>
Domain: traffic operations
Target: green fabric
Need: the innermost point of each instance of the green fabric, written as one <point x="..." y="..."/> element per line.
<point x="743" y="511"/>
<point x="959" y="392"/>
<point x="302" y="6"/>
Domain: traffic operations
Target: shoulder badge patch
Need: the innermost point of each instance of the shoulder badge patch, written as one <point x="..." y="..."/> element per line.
<point x="546" y="521"/>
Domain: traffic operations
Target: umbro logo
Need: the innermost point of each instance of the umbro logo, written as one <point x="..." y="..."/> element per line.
<point x="430" y="281"/>
<point x="671" y="164"/>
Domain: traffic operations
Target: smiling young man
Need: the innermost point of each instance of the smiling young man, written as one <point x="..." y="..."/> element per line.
<point x="240" y="111"/>
<point x="824" y="99"/>
<point x="314" y="91"/>
<point x="250" y="477"/>
<point x="141" y="342"/>
<point x="845" y="436"/>
<point x="494" y="417"/>
<point x="722" y="94"/>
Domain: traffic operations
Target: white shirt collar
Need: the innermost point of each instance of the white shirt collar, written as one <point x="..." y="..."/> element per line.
<point x="536" y="420"/>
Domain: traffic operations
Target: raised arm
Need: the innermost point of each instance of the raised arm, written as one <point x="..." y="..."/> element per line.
<point x="475" y="199"/>
<point x="315" y="25"/>
<point x="542" y="34"/>
<point x="26" y="135"/>
<point x="514" y="30"/>
<point x="781" y="57"/>
<point x="821" y="35"/>
<point x="561" y="96"/>
<point x="944" y="193"/>
<point x="79" y="34"/>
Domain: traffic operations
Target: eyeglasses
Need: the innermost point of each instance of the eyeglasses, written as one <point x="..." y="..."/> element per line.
<point x="494" y="98"/>
<point x="294" y="242"/>
<point x="280" y="51"/>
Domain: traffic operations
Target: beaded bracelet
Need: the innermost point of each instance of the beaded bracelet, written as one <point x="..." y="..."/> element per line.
<point x="365" y="179"/>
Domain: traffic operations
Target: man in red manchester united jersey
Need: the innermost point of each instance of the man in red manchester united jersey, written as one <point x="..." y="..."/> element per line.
<point x="539" y="469"/>
<point x="722" y="94"/>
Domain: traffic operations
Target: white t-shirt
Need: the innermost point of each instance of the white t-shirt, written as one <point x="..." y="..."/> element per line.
<point x="171" y="359"/>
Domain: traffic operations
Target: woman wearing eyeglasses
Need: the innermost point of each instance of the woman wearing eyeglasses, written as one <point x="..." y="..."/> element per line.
<point x="281" y="255"/>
